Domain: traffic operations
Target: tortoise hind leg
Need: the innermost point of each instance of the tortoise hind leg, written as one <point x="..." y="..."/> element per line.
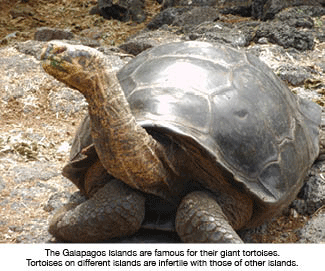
<point x="113" y="211"/>
<point x="200" y="219"/>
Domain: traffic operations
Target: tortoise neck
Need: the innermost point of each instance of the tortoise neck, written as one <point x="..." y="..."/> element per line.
<point x="125" y="149"/>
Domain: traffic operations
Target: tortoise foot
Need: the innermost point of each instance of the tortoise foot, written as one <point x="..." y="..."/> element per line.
<point x="200" y="219"/>
<point x="114" y="211"/>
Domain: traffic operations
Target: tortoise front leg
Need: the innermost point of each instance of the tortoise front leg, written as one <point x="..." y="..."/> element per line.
<point x="113" y="211"/>
<point x="200" y="219"/>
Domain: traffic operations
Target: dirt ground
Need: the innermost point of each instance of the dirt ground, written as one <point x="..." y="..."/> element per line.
<point x="23" y="19"/>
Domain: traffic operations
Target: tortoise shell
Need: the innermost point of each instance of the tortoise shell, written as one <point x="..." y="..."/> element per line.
<point x="232" y="106"/>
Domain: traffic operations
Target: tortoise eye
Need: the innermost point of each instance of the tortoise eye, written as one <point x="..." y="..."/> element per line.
<point x="60" y="50"/>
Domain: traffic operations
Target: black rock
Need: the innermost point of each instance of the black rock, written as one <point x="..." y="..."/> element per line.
<point x="295" y="17"/>
<point x="283" y="34"/>
<point x="183" y="17"/>
<point x="267" y="9"/>
<point x="312" y="194"/>
<point x="123" y="10"/>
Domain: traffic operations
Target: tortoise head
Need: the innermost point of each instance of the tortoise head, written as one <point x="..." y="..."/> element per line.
<point x="76" y="66"/>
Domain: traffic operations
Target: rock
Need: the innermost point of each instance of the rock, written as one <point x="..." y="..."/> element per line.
<point x="257" y="8"/>
<point x="283" y="34"/>
<point x="288" y="28"/>
<point x="267" y="9"/>
<point x="122" y="10"/>
<point x="294" y="76"/>
<point x="222" y="32"/>
<point x="184" y="17"/>
<point x="56" y="201"/>
<point x="241" y="7"/>
<point x="312" y="195"/>
<point x="35" y="170"/>
<point x="30" y="47"/>
<point x="195" y="3"/>
<point x="34" y="47"/>
<point x="295" y="17"/>
<point x="147" y="39"/>
<point x="167" y="17"/>
<point x="47" y="34"/>
<point x="314" y="230"/>
<point x="242" y="10"/>
<point x="313" y="11"/>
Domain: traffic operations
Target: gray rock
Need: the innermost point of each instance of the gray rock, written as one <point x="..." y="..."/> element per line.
<point x="221" y="32"/>
<point x="47" y="34"/>
<point x="314" y="230"/>
<point x="115" y="57"/>
<point x="30" y="47"/>
<point x="37" y="170"/>
<point x="56" y="201"/>
<point x="294" y="76"/>
<point x="258" y="50"/>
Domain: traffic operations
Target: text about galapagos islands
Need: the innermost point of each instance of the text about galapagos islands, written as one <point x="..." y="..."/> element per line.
<point x="173" y="258"/>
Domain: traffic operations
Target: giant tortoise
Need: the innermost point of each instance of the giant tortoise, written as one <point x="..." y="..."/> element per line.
<point x="202" y="127"/>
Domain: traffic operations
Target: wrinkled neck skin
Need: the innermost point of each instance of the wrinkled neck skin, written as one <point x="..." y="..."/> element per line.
<point x="125" y="149"/>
